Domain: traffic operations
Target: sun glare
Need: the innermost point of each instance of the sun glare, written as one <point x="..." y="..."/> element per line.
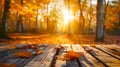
<point x="67" y="16"/>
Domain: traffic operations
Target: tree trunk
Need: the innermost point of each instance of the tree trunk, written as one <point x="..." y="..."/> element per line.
<point x="90" y="19"/>
<point x="81" y="17"/>
<point x="69" y="30"/>
<point x="119" y="20"/>
<point x="37" y="20"/>
<point x="100" y="22"/>
<point x="80" y="26"/>
<point x="89" y="28"/>
<point x="47" y="20"/>
<point x="83" y="23"/>
<point x="3" y="32"/>
<point x="105" y="12"/>
<point x="19" y="23"/>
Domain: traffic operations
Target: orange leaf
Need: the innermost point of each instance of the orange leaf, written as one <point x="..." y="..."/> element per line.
<point x="25" y="54"/>
<point x="71" y="55"/>
<point x="59" y="47"/>
<point x="39" y="52"/>
<point x="11" y="47"/>
<point x="4" y="64"/>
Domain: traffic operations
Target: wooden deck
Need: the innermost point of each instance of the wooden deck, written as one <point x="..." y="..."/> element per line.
<point x="99" y="56"/>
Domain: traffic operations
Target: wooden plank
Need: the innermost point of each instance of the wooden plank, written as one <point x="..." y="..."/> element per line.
<point x="12" y="60"/>
<point x="112" y="49"/>
<point x="60" y="62"/>
<point x="23" y="61"/>
<point x="31" y="51"/>
<point x="110" y="61"/>
<point x="40" y="56"/>
<point x="5" y="53"/>
<point x="91" y="59"/>
<point x="48" y="60"/>
<point x="108" y="51"/>
<point x="109" y="46"/>
<point x="9" y="56"/>
<point x="26" y="60"/>
<point x="21" y="45"/>
<point x="72" y="63"/>
<point x="93" y="54"/>
<point x="67" y="47"/>
<point x="19" y="63"/>
<point x="77" y="48"/>
<point x="43" y="59"/>
<point x="84" y="62"/>
<point x="64" y="63"/>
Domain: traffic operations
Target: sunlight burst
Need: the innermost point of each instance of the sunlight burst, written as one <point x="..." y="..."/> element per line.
<point x="67" y="16"/>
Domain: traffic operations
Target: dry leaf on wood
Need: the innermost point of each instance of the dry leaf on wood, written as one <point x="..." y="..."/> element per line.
<point x="11" y="47"/>
<point x="39" y="52"/>
<point x="25" y="54"/>
<point x="59" y="47"/>
<point x="71" y="55"/>
<point x="4" y="64"/>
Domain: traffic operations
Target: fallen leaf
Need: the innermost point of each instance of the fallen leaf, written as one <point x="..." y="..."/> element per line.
<point x="39" y="52"/>
<point x="59" y="47"/>
<point x="25" y="54"/>
<point x="4" y="64"/>
<point x="11" y="47"/>
<point x="71" y="55"/>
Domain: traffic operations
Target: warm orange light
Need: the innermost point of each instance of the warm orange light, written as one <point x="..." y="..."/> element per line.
<point x="39" y="17"/>
<point x="67" y="16"/>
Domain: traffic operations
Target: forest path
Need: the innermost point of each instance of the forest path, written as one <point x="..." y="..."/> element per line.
<point x="59" y="39"/>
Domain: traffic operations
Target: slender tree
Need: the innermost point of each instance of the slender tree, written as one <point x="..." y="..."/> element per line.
<point x="90" y="18"/>
<point x="19" y="23"/>
<point x="100" y="21"/>
<point x="119" y="19"/>
<point x="105" y="12"/>
<point x="81" y="17"/>
<point x="3" y="32"/>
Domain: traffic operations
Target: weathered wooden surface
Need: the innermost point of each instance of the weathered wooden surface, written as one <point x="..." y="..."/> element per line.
<point x="107" y="59"/>
<point x="108" y="51"/>
<point x="99" y="56"/>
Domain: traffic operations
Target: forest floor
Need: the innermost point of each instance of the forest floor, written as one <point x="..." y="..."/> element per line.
<point x="59" y="39"/>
